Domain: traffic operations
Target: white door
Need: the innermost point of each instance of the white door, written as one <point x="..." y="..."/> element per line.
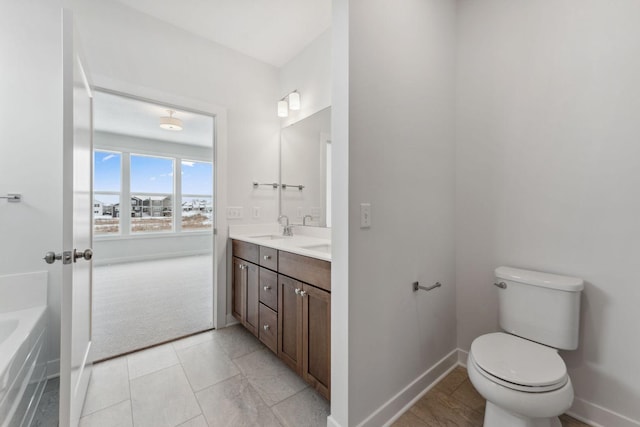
<point x="75" y="339"/>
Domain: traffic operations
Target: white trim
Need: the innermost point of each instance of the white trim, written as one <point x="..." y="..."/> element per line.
<point x="393" y="409"/>
<point x="231" y="320"/>
<point x="123" y="260"/>
<point x="597" y="416"/>
<point x="462" y="357"/>
<point x="53" y="368"/>
<point x="219" y="113"/>
<point x="331" y="422"/>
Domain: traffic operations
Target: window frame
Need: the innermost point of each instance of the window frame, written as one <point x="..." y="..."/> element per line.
<point x="125" y="223"/>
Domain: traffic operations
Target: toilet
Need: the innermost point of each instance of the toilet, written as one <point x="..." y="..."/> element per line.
<point x="519" y="371"/>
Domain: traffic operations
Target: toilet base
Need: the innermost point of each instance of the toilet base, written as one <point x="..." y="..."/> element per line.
<point x="495" y="416"/>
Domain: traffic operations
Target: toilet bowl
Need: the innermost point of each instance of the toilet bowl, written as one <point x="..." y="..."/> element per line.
<point x="519" y="371"/>
<point x="525" y="383"/>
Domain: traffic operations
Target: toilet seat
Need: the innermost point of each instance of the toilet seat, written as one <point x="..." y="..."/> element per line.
<point x="518" y="364"/>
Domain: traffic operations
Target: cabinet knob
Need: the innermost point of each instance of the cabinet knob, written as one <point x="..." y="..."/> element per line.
<point x="266" y="288"/>
<point x="266" y="327"/>
<point x="297" y="291"/>
<point x="267" y="257"/>
<point x="303" y="293"/>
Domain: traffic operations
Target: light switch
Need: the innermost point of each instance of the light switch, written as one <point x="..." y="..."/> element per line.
<point x="234" y="212"/>
<point x="365" y="215"/>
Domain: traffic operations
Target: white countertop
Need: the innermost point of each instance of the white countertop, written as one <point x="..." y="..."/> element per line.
<point x="305" y="240"/>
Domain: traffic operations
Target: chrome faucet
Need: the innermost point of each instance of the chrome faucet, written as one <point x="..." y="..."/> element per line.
<point x="287" y="229"/>
<point x="304" y="219"/>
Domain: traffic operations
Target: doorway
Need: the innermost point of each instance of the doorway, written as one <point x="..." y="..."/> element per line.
<point x="153" y="223"/>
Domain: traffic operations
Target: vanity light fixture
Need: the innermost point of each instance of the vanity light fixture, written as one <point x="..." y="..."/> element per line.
<point x="283" y="108"/>
<point x="170" y="122"/>
<point x="291" y="101"/>
<point x="294" y="100"/>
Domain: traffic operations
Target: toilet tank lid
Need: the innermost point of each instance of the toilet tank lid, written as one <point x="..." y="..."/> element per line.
<point x="537" y="278"/>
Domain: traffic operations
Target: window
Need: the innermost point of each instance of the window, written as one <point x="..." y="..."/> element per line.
<point x="107" y="172"/>
<point x="155" y="204"/>
<point x="151" y="194"/>
<point x="197" y="195"/>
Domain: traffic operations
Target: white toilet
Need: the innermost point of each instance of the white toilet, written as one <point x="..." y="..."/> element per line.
<point x="519" y="371"/>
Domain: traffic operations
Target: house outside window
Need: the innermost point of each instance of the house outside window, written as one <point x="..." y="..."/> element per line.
<point x="159" y="202"/>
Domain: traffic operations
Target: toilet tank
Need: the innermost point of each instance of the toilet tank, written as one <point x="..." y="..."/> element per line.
<point x="541" y="307"/>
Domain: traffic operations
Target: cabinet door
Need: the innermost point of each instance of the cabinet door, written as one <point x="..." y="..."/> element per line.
<point x="252" y="313"/>
<point x="316" y="338"/>
<point x="239" y="287"/>
<point x="290" y="322"/>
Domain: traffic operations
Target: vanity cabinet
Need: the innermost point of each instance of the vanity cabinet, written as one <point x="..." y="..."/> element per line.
<point x="291" y="297"/>
<point x="246" y="285"/>
<point x="304" y="331"/>
<point x="246" y="294"/>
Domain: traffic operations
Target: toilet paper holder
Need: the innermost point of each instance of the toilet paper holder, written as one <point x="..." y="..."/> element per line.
<point x="416" y="286"/>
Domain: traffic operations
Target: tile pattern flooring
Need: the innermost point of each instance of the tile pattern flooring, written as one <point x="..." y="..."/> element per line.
<point x="217" y="378"/>
<point x="454" y="402"/>
<point x="228" y="378"/>
<point x="47" y="413"/>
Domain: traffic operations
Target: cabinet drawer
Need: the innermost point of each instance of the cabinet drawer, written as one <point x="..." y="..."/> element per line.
<point x="269" y="288"/>
<point x="269" y="328"/>
<point x="269" y="258"/>
<point x="314" y="271"/>
<point x="246" y="251"/>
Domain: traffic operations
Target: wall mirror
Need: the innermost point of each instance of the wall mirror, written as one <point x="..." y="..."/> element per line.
<point x="305" y="170"/>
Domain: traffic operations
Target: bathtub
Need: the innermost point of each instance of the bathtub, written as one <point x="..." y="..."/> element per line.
<point x="22" y="356"/>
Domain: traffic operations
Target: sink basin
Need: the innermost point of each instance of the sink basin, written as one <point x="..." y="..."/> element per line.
<point x="320" y="248"/>
<point x="269" y="237"/>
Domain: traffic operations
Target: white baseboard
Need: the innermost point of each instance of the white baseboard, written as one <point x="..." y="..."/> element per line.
<point x="597" y="416"/>
<point x="231" y="320"/>
<point x="141" y="258"/>
<point x="331" y="422"/>
<point x="462" y="357"/>
<point x="401" y="402"/>
<point x="53" y="368"/>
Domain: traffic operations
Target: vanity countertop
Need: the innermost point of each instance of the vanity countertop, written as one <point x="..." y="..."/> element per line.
<point x="312" y="244"/>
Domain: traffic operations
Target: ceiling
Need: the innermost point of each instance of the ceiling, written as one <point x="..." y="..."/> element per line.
<point x="128" y="116"/>
<point x="272" y="31"/>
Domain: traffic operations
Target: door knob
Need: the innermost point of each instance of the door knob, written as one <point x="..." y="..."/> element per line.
<point x="51" y="257"/>
<point x="87" y="254"/>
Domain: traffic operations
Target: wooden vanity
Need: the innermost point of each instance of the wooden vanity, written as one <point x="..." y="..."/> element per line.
<point x="284" y="299"/>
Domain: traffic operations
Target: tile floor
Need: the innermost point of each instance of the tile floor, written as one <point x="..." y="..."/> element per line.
<point x="217" y="378"/>
<point x="47" y="413"/>
<point x="454" y="402"/>
<point x="228" y="378"/>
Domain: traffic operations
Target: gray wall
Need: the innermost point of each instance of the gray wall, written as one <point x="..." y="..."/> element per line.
<point x="401" y="160"/>
<point x="31" y="146"/>
<point x="548" y="120"/>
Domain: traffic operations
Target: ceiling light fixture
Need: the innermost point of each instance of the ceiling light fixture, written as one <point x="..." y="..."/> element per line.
<point x="291" y="101"/>
<point x="170" y="122"/>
